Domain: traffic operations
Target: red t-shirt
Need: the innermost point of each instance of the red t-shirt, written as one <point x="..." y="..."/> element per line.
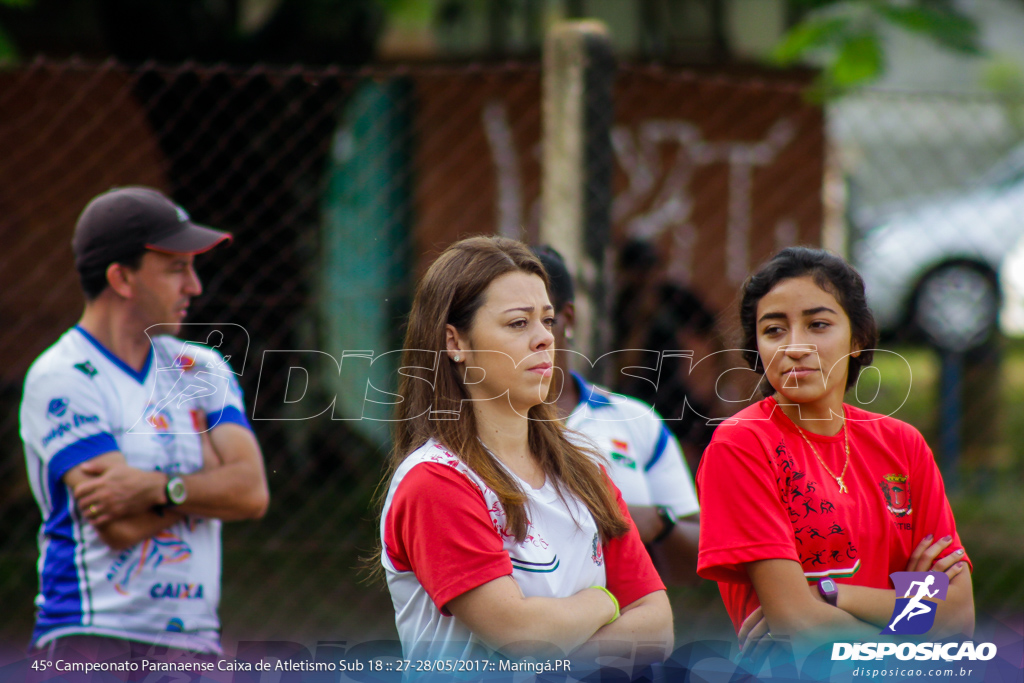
<point x="764" y="495"/>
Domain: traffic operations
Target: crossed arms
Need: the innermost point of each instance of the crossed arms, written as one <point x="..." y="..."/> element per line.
<point x="121" y="501"/>
<point x="791" y="607"/>
<point x="503" y="618"/>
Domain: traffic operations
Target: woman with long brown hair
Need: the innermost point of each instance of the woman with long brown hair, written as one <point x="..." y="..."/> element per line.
<point x="496" y="529"/>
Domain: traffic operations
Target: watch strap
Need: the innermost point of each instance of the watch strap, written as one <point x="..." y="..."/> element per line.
<point x="669" y="520"/>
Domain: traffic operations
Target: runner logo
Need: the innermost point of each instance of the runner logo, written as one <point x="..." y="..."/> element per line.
<point x="914" y="613"/>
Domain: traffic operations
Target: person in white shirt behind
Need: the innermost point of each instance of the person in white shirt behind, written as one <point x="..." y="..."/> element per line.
<point x="646" y="462"/>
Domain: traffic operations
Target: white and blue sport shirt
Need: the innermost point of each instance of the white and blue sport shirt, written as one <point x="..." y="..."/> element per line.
<point x="81" y="401"/>
<point x="644" y="457"/>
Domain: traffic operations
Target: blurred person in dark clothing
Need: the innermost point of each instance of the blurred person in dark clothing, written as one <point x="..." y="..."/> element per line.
<point x="644" y="459"/>
<point x="636" y="298"/>
<point x="686" y="391"/>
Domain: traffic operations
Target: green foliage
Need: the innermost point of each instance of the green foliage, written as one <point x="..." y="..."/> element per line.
<point x="859" y="60"/>
<point x="947" y="28"/>
<point x="411" y="12"/>
<point x="8" y="49"/>
<point x="1004" y="77"/>
<point x="845" y="37"/>
<point x="815" y="4"/>
<point x="810" y="35"/>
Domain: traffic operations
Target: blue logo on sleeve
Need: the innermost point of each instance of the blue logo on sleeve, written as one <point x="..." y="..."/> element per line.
<point x="58" y="407"/>
<point x="65" y="423"/>
<point x="916" y="593"/>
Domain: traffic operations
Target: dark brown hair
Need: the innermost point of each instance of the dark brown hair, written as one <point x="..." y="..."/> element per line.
<point x="450" y="293"/>
<point x="835" y="276"/>
<point x="94" y="280"/>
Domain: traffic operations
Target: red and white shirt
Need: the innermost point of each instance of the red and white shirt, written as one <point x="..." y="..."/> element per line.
<point x="765" y="495"/>
<point x="444" y="533"/>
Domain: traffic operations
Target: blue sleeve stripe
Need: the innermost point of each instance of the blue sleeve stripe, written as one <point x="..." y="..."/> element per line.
<point x="63" y="602"/>
<point x="659" y="448"/>
<point x="78" y="452"/>
<point x="228" y="414"/>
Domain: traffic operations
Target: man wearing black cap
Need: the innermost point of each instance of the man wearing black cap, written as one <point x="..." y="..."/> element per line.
<point x="137" y="446"/>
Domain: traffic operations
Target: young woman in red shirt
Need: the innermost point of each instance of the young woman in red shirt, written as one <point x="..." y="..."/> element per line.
<point x="808" y="504"/>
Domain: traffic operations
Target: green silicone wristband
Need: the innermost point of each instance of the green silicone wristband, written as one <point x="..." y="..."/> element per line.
<point x="614" y="602"/>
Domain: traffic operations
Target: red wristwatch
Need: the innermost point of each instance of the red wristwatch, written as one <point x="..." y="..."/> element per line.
<point x="829" y="591"/>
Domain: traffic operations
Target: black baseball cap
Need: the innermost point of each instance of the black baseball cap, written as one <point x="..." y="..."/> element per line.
<point x="125" y="221"/>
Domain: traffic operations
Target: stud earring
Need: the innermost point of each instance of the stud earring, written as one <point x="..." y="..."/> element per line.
<point x="457" y="358"/>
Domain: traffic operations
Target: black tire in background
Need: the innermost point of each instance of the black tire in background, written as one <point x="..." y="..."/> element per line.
<point x="956" y="306"/>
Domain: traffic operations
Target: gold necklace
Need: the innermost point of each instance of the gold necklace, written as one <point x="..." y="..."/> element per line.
<point x="839" y="479"/>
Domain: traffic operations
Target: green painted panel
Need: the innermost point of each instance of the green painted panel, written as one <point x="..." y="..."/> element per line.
<point x="366" y="245"/>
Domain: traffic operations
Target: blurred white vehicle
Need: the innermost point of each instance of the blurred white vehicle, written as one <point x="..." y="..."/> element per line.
<point x="935" y="268"/>
<point x="1011" y="318"/>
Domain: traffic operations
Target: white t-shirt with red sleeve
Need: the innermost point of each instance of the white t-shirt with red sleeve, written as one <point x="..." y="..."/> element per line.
<point x="444" y="533"/>
<point x="765" y="495"/>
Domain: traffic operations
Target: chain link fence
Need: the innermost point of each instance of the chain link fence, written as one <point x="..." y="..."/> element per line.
<point x="340" y="187"/>
<point x="934" y="187"/>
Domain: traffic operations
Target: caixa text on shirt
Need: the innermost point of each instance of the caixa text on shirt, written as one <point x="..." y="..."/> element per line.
<point x="177" y="591"/>
<point x="948" y="652"/>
